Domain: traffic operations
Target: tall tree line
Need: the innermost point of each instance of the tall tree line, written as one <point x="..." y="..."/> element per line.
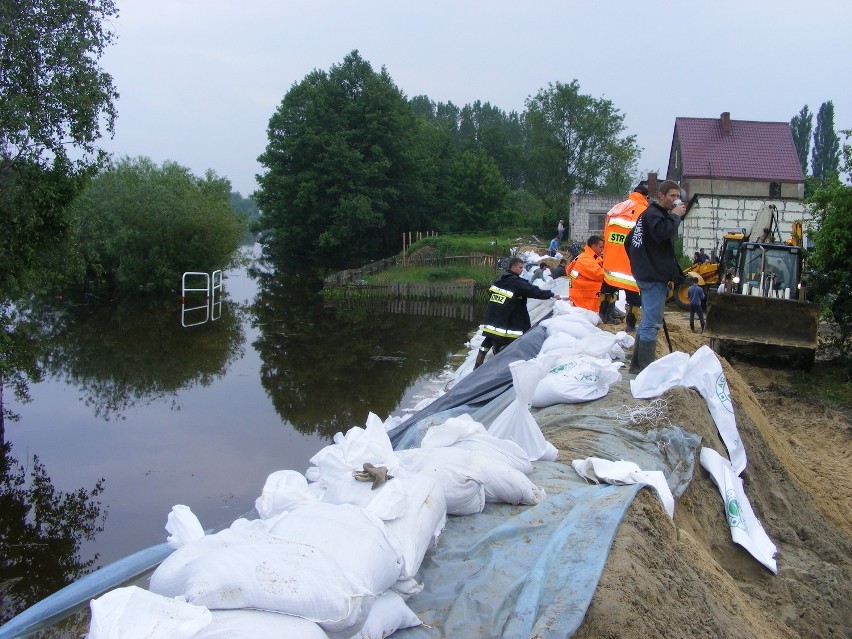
<point x="352" y="163"/>
<point x="825" y="154"/>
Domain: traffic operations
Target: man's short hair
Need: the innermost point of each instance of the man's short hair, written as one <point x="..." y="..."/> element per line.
<point x="667" y="185"/>
<point x="642" y="188"/>
<point x="593" y="239"/>
<point x="515" y="260"/>
<point x="563" y="261"/>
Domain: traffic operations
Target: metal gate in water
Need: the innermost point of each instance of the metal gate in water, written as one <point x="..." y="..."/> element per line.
<point x="193" y="285"/>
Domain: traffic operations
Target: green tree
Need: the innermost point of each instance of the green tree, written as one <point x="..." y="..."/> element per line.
<point x="476" y="193"/>
<point x="55" y="101"/>
<point x="341" y="179"/>
<point x="801" y="126"/>
<point x="825" y="158"/>
<point x="575" y="144"/>
<point x="141" y="226"/>
<point x="831" y="257"/>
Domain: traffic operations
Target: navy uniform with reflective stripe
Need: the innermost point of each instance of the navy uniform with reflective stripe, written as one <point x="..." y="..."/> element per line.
<point x="506" y="315"/>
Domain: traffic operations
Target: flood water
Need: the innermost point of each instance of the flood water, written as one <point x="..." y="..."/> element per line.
<point x="163" y="414"/>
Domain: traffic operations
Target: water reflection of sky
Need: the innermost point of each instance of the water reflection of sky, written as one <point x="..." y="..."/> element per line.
<point x="209" y="447"/>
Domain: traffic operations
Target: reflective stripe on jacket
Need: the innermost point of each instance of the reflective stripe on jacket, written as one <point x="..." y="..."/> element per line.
<point x="619" y="221"/>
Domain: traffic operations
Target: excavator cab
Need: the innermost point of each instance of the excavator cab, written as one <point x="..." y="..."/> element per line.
<point x="769" y="270"/>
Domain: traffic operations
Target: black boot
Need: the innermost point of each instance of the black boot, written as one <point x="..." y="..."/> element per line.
<point x="604" y="309"/>
<point x="630" y="320"/>
<point x="480" y="357"/>
<point x="646" y="353"/>
<point x="634" y="360"/>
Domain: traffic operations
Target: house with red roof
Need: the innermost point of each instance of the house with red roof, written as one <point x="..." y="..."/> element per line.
<point x="728" y="170"/>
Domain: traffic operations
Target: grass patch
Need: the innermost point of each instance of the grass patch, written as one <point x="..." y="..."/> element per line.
<point x="453" y="245"/>
<point x="434" y="274"/>
<point x="828" y="382"/>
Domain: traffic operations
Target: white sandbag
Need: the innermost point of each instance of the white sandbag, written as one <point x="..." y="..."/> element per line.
<point x="579" y="380"/>
<point x="560" y="341"/>
<point x="464" y="432"/>
<point x="169" y="577"/>
<point x="625" y="472"/>
<point x="704" y="373"/>
<point x="746" y="529"/>
<point x="506" y="485"/>
<point x="322" y="562"/>
<point x="516" y="423"/>
<point x="412" y="505"/>
<point x="388" y="614"/>
<point x="183" y="526"/>
<point x="408" y="587"/>
<point x="573" y="325"/>
<point x="659" y="376"/>
<point x="256" y="624"/>
<point x="455" y="470"/>
<point x="350" y="451"/>
<point x="584" y="314"/>
<point x="283" y="491"/>
<point x="134" y="613"/>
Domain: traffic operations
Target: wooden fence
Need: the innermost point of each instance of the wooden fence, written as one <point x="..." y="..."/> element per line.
<point x="467" y="310"/>
<point x="357" y="274"/>
<point x="467" y="292"/>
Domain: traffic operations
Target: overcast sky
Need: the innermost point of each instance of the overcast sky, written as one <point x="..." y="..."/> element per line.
<point x="199" y="79"/>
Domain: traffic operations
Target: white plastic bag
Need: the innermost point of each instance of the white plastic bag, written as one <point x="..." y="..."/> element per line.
<point x="625" y="472"/>
<point x="659" y="376"/>
<point x="516" y="423"/>
<point x="746" y="529"/>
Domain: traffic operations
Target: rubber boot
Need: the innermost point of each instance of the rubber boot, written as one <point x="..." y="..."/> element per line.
<point x="646" y="353"/>
<point x="630" y="320"/>
<point x="604" y="309"/>
<point x="634" y="360"/>
<point x="480" y="357"/>
<point x="613" y="315"/>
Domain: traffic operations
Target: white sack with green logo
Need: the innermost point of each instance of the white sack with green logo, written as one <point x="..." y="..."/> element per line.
<point x="746" y="529"/>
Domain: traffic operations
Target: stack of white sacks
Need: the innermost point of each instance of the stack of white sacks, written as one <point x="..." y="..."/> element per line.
<point x="331" y="556"/>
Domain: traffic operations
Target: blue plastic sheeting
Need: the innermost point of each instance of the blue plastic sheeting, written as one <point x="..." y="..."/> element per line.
<point x="521" y="571"/>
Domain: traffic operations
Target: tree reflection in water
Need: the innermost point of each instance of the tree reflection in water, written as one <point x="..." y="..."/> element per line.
<point x="41" y="530"/>
<point x="123" y="356"/>
<point x="326" y="368"/>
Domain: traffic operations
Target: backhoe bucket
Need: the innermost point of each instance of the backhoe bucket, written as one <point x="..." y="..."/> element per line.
<point x="764" y="325"/>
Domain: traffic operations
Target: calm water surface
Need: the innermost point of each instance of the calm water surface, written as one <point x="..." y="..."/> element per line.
<point x="202" y="415"/>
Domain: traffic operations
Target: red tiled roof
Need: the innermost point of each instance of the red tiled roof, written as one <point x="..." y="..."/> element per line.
<point x="751" y="151"/>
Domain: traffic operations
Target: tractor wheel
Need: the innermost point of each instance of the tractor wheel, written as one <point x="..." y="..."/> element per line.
<point x="681" y="296"/>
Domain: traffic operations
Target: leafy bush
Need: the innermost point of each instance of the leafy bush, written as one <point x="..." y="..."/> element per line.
<point x="831" y="259"/>
<point x="140" y="227"/>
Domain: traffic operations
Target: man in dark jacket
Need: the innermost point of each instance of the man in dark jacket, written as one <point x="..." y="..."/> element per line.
<point x="650" y="246"/>
<point x="506" y="317"/>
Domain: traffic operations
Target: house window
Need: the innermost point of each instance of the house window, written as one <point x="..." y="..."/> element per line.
<point x="597" y="221"/>
<point x="774" y="189"/>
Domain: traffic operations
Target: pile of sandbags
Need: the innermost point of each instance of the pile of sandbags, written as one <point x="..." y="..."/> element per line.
<point x="335" y="552"/>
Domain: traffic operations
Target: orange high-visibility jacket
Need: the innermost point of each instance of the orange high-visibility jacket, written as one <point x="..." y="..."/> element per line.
<point x="620" y="219"/>
<point x="586" y="276"/>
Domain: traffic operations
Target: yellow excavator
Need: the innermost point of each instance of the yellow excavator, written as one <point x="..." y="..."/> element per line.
<point x="709" y="274"/>
<point x="764" y="312"/>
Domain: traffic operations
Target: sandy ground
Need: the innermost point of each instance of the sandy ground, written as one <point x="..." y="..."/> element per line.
<point x="687" y="578"/>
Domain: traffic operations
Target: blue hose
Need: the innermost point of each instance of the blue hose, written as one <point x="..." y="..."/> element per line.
<point x="64" y="602"/>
